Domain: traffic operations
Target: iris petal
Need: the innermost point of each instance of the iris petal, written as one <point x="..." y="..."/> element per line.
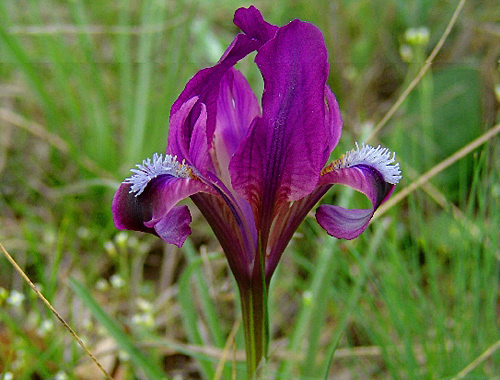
<point x="251" y="22"/>
<point x="130" y="212"/>
<point x="143" y="212"/>
<point x="166" y="191"/>
<point x="174" y="228"/>
<point x="281" y="158"/>
<point x="205" y="86"/>
<point x="344" y="223"/>
<point x="206" y="83"/>
<point x="189" y="144"/>
<point x="237" y="106"/>
<point x="229" y="232"/>
<point x="333" y="123"/>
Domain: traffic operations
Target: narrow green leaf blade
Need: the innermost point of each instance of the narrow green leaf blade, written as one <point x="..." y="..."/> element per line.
<point x="137" y="357"/>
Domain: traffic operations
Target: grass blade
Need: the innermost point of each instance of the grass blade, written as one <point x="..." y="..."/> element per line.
<point x="11" y="45"/>
<point x="190" y="315"/>
<point x="151" y="371"/>
<point x="100" y="125"/>
<point x="355" y="293"/>
<point x="135" y="135"/>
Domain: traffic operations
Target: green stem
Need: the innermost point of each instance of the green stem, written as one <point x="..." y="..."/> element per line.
<point x="253" y="294"/>
<point x="254" y="312"/>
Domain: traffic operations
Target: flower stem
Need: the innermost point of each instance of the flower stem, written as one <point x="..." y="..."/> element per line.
<point x="253" y="294"/>
<point x="255" y="324"/>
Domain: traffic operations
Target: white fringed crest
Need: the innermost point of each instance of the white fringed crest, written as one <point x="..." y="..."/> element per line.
<point x="379" y="158"/>
<point x="151" y="169"/>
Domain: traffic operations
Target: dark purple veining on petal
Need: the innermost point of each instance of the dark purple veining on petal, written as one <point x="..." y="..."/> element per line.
<point x="281" y="158"/>
<point x="228" y="232"/>
<point x="286" y="223"/>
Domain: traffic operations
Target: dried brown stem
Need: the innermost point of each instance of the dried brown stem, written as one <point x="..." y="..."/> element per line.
<point x="51" y="308"/>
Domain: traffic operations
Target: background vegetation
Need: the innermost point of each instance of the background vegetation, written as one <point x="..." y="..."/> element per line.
<point x="85" y="92"/>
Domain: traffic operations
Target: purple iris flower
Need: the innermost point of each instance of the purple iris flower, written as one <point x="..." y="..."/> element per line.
<point x="255" y="172"/>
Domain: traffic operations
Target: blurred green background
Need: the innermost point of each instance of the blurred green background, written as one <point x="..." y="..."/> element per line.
<point x="85" y="93"/>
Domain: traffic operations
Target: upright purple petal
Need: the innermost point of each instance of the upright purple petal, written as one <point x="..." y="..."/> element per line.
<point x="205" y="84"/>
<point x="283" y="155"/>
<point x="180" y="138"/>
<point x="198" y="146"/>
<point x="237" y="106"/>
<point x="251" y="22"/>
<point x="333" y="122"/>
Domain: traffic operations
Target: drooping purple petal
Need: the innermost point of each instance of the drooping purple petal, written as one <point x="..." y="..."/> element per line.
<point x="283" y="155"/>
<point x="130" y="212"/>
<point x="344" y="223"/>
<point x="166" y="192"/>
<point x="144" y="211"/>
<point x="174" y="228"/>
